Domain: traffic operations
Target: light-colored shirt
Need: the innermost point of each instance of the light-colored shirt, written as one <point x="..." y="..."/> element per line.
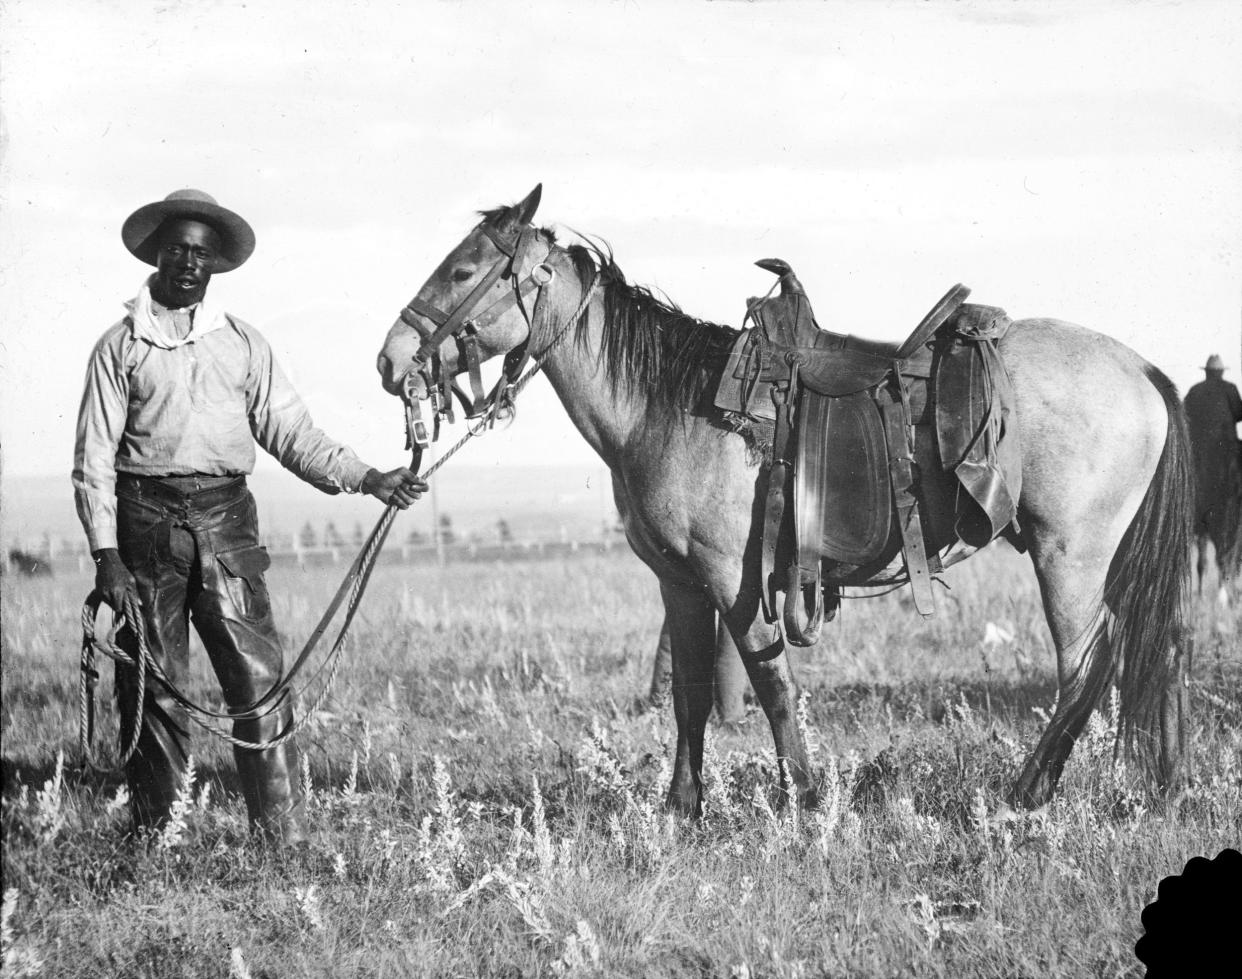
<point x="158" y="403"/>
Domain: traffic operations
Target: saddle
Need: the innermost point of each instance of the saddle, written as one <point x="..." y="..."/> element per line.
<point x="842" y="415"/>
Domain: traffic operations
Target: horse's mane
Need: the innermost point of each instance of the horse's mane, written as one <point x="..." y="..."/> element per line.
<point x="648" y="345"/>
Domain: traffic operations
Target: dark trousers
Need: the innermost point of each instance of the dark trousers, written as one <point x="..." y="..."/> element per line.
<point x="192" y="544"/>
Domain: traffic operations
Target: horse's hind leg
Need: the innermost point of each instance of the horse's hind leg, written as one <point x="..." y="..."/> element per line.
<point x="1071" y="575"/>
<point x="692" y="630"/>
<point x="767" y="665"/>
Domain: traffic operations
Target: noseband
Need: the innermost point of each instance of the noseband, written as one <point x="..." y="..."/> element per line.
<point x="463" y="327"/>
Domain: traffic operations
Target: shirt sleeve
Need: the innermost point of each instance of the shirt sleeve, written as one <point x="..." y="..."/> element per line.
<point x="101" y="423"/>
<point x="281" y="423"/>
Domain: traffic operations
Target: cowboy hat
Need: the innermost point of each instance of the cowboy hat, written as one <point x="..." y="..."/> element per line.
<point x="140" y="231"/>
<point x="1214" y="363"/>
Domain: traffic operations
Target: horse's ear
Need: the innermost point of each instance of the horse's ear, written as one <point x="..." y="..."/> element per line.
<point x="527" y="208"/>
<point x="508" y="220"/>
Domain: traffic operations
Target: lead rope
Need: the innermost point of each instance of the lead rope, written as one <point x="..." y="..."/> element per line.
<point x="360" y="573"/>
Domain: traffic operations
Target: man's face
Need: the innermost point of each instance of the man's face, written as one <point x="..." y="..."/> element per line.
<point x="184" y="264"/>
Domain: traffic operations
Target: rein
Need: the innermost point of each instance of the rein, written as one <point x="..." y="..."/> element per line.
<point x="356" y="578"/>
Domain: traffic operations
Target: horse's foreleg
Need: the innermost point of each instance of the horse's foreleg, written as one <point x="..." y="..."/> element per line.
<point x="775" y="687"/>
<point x="692" y="631"/>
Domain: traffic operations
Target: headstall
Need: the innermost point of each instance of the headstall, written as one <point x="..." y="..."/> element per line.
<point x="438" y="385"/>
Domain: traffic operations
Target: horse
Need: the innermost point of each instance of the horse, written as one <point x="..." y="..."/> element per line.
<point x="1104" y="508"/>
<point x="1219" y="521"/>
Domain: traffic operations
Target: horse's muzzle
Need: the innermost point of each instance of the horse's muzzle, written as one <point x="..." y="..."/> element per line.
<point x="392" y="380"/>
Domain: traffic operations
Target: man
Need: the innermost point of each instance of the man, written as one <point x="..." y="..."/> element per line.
<point x="1213" y="410"/>
<point x="176" y="395"/>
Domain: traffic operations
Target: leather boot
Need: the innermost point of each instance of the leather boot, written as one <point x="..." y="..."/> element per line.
<point x="155" y="770"/>
<point x="269" y="781"/>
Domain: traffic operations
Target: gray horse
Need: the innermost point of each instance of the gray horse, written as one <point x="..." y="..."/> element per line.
<point x="1105" y="503"/>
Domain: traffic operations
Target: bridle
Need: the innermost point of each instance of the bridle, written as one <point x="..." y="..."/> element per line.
<point x="437" y="382"/>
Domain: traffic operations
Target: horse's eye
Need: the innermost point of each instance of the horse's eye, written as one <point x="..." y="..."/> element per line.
<point x="461" y="275"/>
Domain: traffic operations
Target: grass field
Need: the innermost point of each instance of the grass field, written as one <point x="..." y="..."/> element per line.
<point x="485" y="789"/>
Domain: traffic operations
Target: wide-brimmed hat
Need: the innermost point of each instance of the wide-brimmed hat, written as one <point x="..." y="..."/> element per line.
<point x="1214" y="363"/>
<point x="236" y="236"/>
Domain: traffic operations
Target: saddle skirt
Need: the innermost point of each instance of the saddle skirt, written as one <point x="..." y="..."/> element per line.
<point x="841" y="415"/>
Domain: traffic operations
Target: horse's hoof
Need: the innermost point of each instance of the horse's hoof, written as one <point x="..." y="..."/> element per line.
<point x="683" y="805"/>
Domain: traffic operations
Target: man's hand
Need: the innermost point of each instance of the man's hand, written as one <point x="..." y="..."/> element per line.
<point x="112" y="578"/>
<point x="398" y="488"/>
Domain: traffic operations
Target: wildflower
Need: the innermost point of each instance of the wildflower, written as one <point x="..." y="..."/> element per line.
<point x="308" y="789"/>
<point x="349" y="792"/>
<point x="925" y="915"/>
<point x="49" y="810"/>
<point x="617" y="833"/>
<point x="966" y="715"/>
<point x="809" y="734"/>
<point x="581" y="952"/>
<point x="543" y="839"/>
<point x="790" y="791"/>
<point x="172" y="832"/>
<point x="996" y="635"/>
<point x="979" y="815"/>
<point x="720" y="786"/>
<point x="826" y="818"/>
<point x="596" y="761"/>
<point x="18" y="961"/>
<point x="759" y="800"/>
<point x="118" y="801"/>
<point x="530" y="906"/>
<point x="238" y="969"/>
<point x="308" y="904"/>
<point x="517" y="839"/>
<point x="440" y="848"/>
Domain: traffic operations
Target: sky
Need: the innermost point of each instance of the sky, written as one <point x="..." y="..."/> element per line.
<point x="1077" y="160"/>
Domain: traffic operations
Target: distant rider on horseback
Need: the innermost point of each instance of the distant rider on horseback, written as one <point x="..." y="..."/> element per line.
<point x="1213" y="409"/>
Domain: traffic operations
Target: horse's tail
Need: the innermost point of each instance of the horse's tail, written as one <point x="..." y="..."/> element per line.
<point x="1148" y="593"/>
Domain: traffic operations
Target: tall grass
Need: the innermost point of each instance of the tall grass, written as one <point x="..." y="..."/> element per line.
<point x="485" y="785"/>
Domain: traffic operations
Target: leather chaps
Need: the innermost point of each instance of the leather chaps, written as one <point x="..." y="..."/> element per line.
<point x="192" y="544"/>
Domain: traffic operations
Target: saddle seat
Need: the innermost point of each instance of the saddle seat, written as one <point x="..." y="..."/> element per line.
<point x="831" y="364"/>
<point x="842" y="412"/>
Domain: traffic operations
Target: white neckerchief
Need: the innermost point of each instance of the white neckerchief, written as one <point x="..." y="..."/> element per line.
<point x="147" y="326"/>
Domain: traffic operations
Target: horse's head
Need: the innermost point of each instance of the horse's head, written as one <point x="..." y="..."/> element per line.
<point x="476" y="305"/>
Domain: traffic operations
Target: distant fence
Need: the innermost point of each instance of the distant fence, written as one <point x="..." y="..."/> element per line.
<point x="64" y="558"/>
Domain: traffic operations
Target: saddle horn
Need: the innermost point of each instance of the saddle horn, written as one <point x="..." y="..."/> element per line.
<point x="790" y="285"/>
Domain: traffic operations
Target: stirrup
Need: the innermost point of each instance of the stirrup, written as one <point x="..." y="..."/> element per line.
<point x="798" y="632"/>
